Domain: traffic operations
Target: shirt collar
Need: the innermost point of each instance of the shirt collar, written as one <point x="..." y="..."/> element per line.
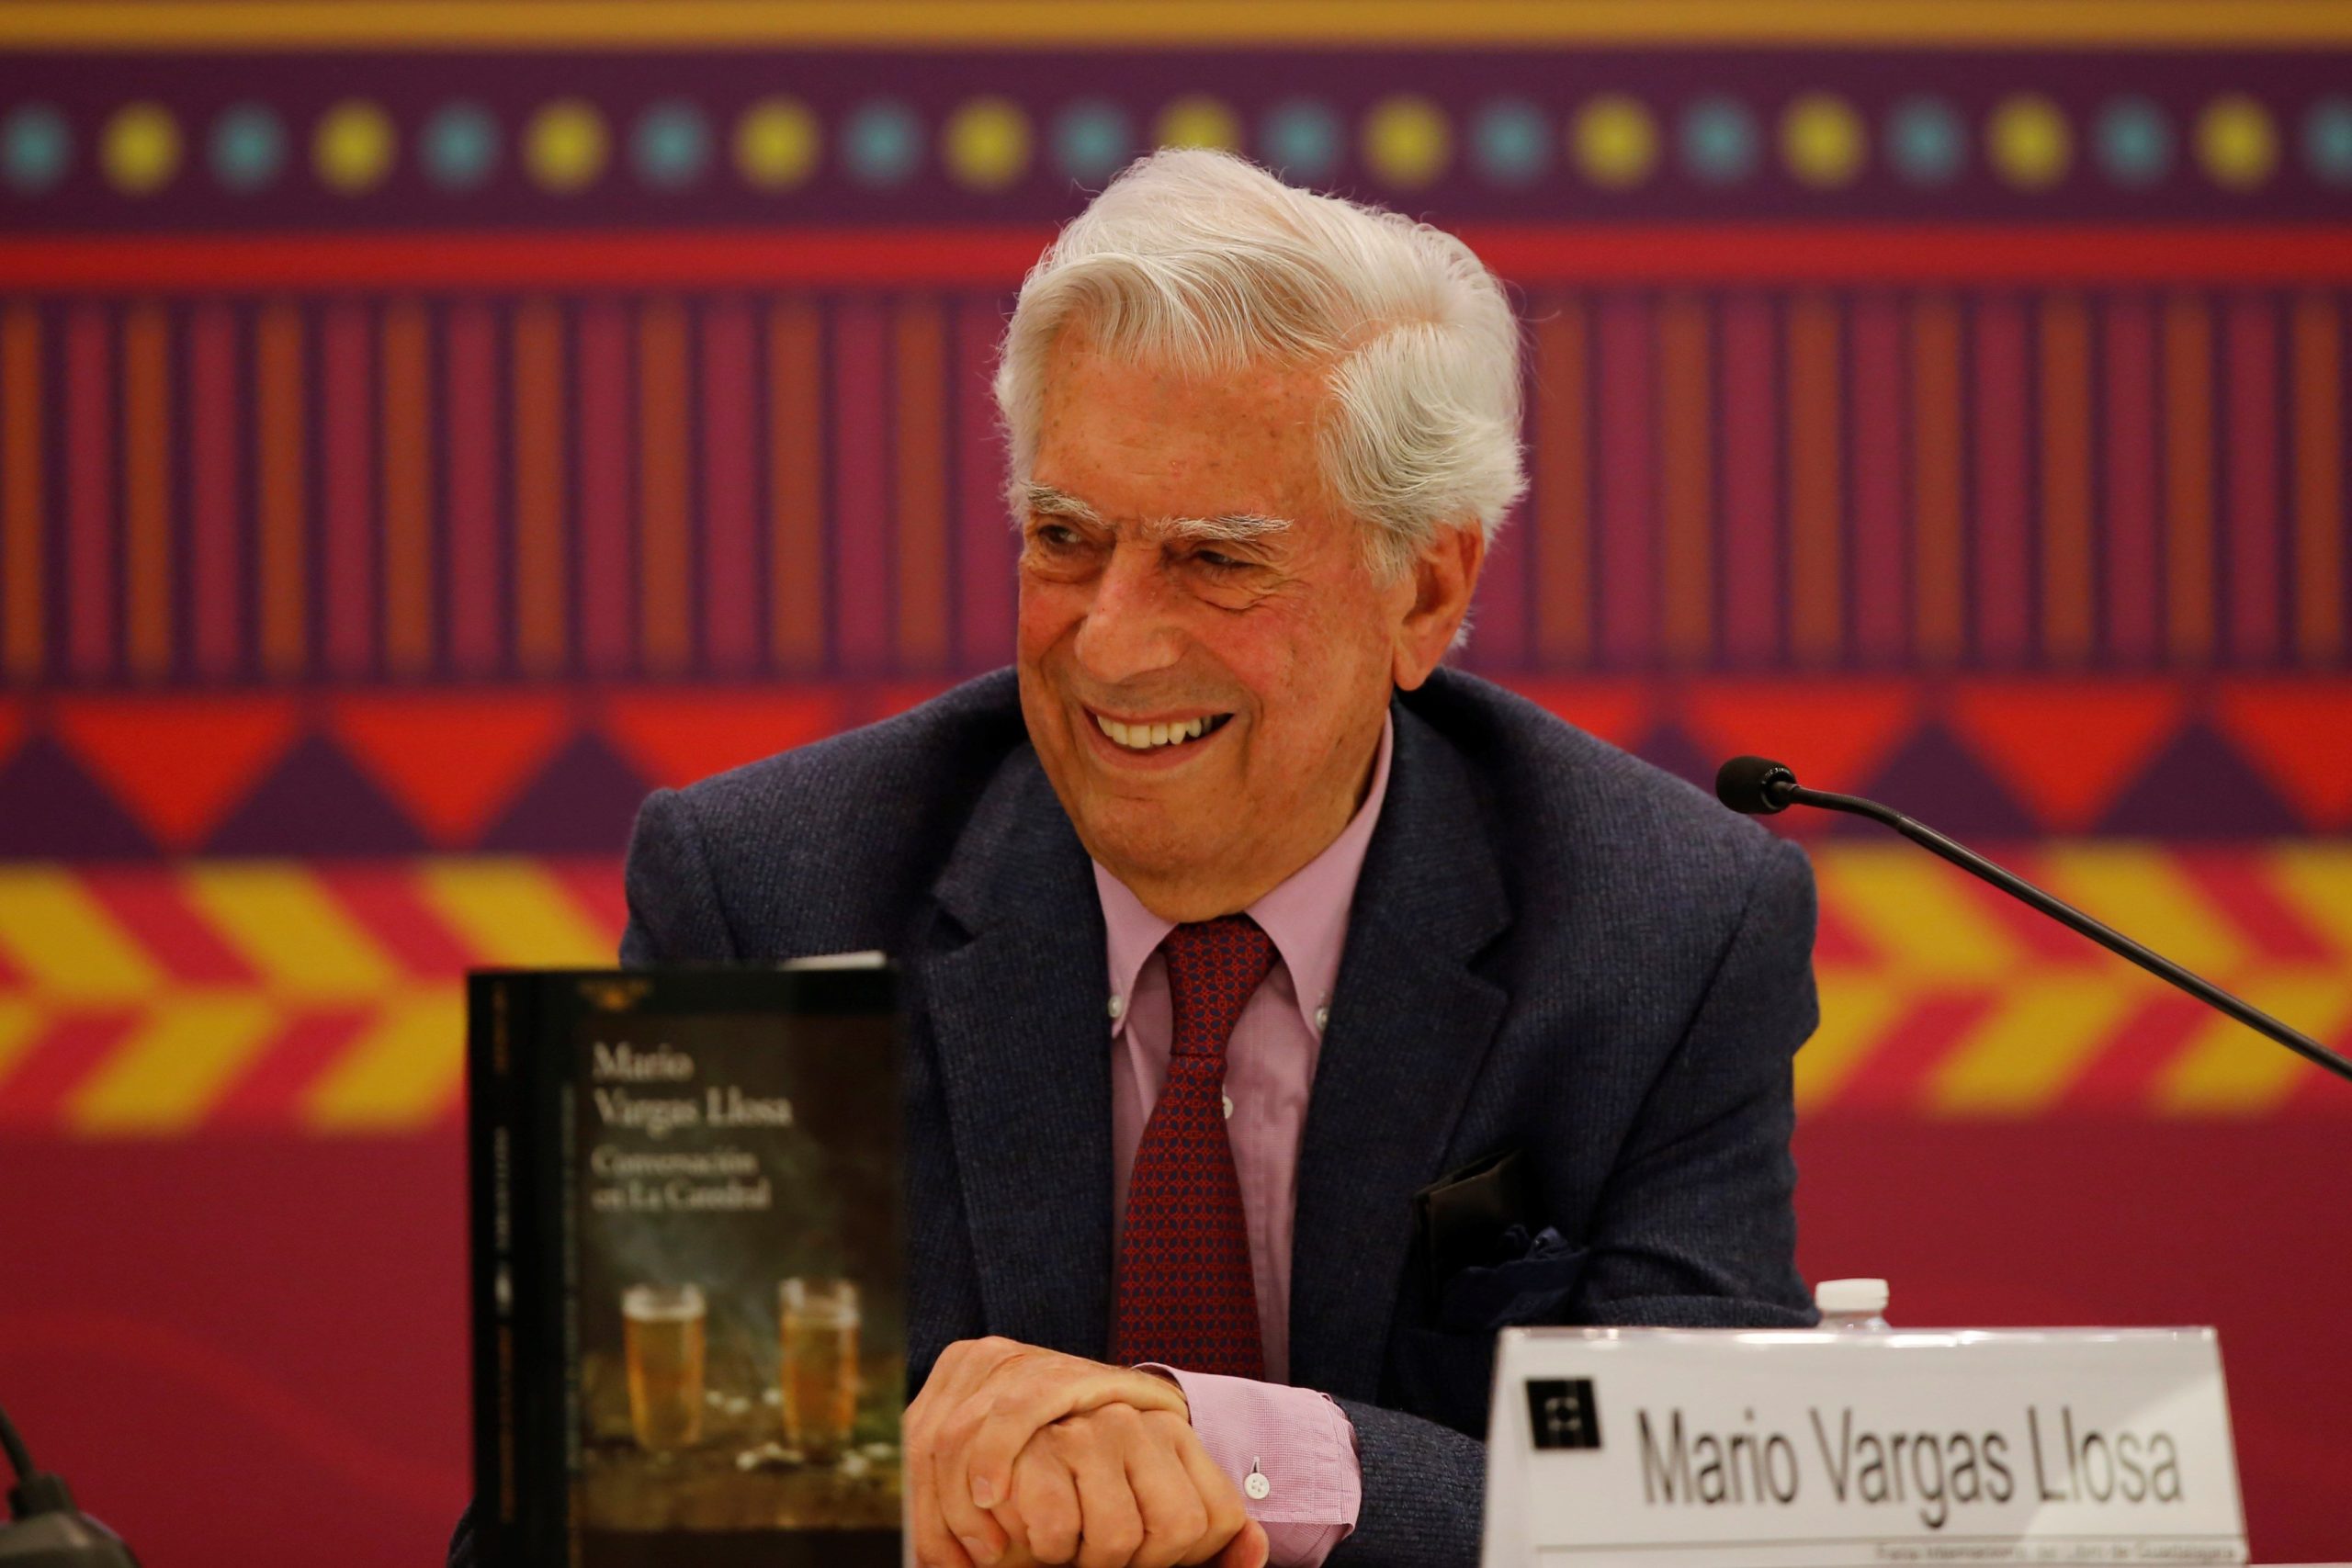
<point x="1306" y="914"/>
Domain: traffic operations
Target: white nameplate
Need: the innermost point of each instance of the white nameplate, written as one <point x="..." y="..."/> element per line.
<point x="1695" y="1448"/>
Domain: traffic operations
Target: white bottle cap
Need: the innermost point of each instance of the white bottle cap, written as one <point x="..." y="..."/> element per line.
<point x="1850" y="1298"/>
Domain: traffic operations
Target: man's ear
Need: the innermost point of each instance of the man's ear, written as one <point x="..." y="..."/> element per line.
<point x="1443" y="576"/>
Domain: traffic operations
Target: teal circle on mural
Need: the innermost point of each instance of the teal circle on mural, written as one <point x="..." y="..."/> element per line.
<point x="1093" y="141"/>
<point x="671" y="146"/>
<point x="459" y="147"/>
<point x="2327" y="141"/>
<point x="1926" y="141"/>
<point x="1719" y="141"/>
<point x="1510" y="142"/>
<point x="248" y="147"/>
<point x="2134" y="141"/>
<point x="34" y="148"/>
<point x="882" y="142"/>
<point x="1300" y="140"/>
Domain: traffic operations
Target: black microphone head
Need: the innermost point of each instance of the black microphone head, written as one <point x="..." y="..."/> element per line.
<point x="1755" y="786"/>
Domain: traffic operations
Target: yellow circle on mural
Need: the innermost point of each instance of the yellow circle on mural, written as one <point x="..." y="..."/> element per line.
<point x="1197" y="121"/>
<point x="1406" y="141"/>
<point x="2236" y="141"/>
<point x="354" y="147"/>
<point x="1615" y="140"/>
<point x="2029" y="142"/>
<point x="1822" y="138"/>
<point x="140" y="148"/>
<point x="986" y="144"/>
<point x="564" y="146"/>
<point x="777" y="143"/>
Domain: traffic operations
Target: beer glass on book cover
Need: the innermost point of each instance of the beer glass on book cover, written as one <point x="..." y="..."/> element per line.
<point x="664" y="1345"/>
<point x="816" y="1324"/>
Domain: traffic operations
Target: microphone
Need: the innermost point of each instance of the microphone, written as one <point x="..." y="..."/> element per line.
<point x="49" y="1531"/>
<point x="1757" y="786"/>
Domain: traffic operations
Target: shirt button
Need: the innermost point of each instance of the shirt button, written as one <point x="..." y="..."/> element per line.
<point x="1256" y="1484"/>
<point x="1118" y="1006"/>
<point x="1322" y="1018"/>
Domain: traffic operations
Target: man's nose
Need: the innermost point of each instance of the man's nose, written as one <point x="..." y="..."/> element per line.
<point x="1130" y="627"/>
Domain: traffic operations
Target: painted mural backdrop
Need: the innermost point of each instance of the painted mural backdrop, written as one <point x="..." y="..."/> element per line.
<point x="423" y="430"/>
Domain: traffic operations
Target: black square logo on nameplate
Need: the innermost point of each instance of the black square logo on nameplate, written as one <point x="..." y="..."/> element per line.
<point x="1562" y="1414"/>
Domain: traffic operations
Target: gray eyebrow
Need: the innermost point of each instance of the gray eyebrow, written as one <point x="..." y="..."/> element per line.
<point x="1231" y="527"/>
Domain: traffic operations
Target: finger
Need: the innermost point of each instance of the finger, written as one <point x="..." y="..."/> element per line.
<point x="934" y="1547"/>
<point x="1220" y="1498"/>
<point x="1168" y="1495"/>
<point x="1249" y="1550"/>
<point x="1051" y="1391"/>
<point x="1110" y="1526"/>
<point x="941" y="1502"/>
<point x="1046" y="1498"/>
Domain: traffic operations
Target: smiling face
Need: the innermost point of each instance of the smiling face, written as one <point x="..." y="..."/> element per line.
<point x="1183" y="572"/>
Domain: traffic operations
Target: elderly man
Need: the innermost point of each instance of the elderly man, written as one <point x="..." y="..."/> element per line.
<point x="1233" y="926"/>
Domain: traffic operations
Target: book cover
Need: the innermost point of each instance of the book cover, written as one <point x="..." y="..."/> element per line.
<point x="688" y="1276"/>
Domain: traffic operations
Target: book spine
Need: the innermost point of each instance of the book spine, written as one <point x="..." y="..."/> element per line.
<point x="500" y="1157"/>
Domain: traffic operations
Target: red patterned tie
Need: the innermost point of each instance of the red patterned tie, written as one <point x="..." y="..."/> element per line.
<point x="1185" y="1296"/>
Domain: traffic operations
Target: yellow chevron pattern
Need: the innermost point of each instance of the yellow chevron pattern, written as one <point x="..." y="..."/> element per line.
<point x="168" y="1001"/>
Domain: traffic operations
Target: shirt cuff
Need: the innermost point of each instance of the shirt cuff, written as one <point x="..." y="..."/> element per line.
<point x="1303" y="1445"/>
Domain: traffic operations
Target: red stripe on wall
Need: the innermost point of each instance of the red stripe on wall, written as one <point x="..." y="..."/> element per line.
<point x="799" y="576"/>
<point x="89" y="492"/>
<point x="1563" y="521"/>
<point x="1881" y="622"/>
<point x="2251" y="459"/>
<point x="280" y="395"/>
<point x="2129" y="388"/>
<point x="986" y="544"/>
<point x="1751" y="545"/>
<point x="1686" y="479"/>
<point x="153" y="911"/>
<point x="1939" y="571"/>
<point x="2003" y="574"/>
<point x="607" y="626"/>
<point x="918" y="448"/>
<point x="2067" y="579"/>
<point x="730" y="568"/>
<point x="147" y="491"/>
<point x="216" y="511"/>
<point x="470" y="402"/>
<point x="384" y="900"/>
<point x="24" y="522"/>
<point x="1816" y="504"/>
<point x="2318" y="573"/>
<point x="861" y="488"/>
<point x="34" y="1092"/>
<point x="544" y="569"/>
<point x="407" y="476"/>
<point x="348" y="491"/>
<point x="664" y="538"/>
<point x="1629" y="607"/>
<point x="968" y="256"/>
<point x="265" y="1093"/>
<point x="2188" y="480"/>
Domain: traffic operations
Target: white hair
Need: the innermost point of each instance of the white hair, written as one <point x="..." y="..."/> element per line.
<point x="1203" y="261"/>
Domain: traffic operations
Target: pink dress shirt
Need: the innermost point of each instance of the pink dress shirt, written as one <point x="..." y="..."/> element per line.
<point x="1299" y="1441"/>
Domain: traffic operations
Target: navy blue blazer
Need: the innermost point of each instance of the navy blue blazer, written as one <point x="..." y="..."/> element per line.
<point x="1554" y="948"/>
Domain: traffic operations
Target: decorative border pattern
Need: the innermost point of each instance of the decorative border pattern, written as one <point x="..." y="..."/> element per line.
<point x="322" y="997"/>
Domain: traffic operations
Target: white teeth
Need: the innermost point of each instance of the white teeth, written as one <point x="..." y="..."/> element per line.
<point x="1144" y="736"/>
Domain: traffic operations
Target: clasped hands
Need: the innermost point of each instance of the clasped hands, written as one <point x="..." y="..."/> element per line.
<point x="1017" y="1455"/>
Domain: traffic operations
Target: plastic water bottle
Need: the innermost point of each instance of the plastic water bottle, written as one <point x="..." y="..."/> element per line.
<point x="1852" y="1306"/>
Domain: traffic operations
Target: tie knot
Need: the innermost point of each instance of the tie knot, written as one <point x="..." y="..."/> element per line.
<point x="1214" y="966"/>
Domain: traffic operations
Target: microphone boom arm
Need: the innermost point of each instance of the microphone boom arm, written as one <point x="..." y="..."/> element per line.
<point x="1786" y="791"/>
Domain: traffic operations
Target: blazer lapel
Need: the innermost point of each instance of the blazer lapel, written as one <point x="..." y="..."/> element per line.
<point x="1014" y="986"/>
<point x="1410" y="1023"/>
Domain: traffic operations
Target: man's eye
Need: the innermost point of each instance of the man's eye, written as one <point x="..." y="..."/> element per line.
<point x="1060" y="536"/>
<point x="1217" y="561"/>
